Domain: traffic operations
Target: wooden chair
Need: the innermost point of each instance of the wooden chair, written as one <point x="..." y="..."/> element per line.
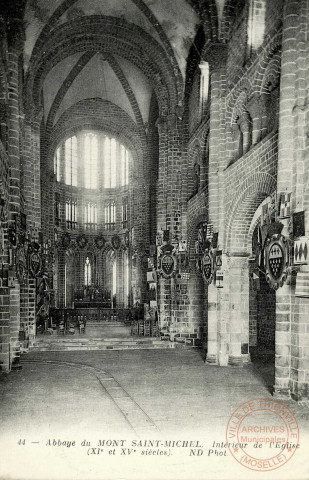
<point x="141" y="328"/>
<point x="154" y="328"/>
<point x="146" y="328"/>
<point x="71" y="328"/>
<point x="81" y="324"/>
<point x="61" y="328"/>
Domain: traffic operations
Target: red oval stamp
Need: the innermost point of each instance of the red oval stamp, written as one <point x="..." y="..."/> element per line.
<point x="262" y="434"/>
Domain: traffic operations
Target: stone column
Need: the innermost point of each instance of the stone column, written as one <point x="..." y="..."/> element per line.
<point x="61" y="278"/>
<point x="15" y="45"/>
<point x="239" y="311"/>
<point x="169" y="217"/>
<point x="212" y="337"/>
<point x="291" y="312"/>
<point x="216" y="55"/>
<point x="299" y="374"/>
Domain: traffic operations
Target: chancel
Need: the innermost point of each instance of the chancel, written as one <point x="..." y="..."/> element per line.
<point x="154" y="183"/>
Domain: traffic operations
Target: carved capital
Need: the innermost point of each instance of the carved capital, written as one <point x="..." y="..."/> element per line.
<point x="257" y="104"/>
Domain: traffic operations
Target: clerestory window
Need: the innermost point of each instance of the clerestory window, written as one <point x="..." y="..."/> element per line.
<point x="71" y="161"/>
<point x="91" y="216"/>
<point x="110" y="216"/>
<point x="70" y="214"/>
<point x="91" y="161"/>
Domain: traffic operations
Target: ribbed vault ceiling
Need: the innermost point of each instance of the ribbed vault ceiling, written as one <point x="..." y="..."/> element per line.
<point x="104" y="72"/>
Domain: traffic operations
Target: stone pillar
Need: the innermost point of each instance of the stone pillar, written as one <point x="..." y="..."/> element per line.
<point x="5" y="364"/>
<point x="32" y="308"/>
<point x="287" y="96"/>
<point x="239" y="311"/>
<point x="24" y="316"/>
<point x="4" y="257"/>
<point x="299" y="374"/>
<point x="216" y="55"/>
<point x="292" y="312"/>
<point x="61" y="278"/>
<point x="15" y="45"/>
<point x="169" y="217"/>
<point x="32" y="209"/>
<point x="120" y="291"/>
<point x="212" y="337"/>
<point x="283" y="340"/>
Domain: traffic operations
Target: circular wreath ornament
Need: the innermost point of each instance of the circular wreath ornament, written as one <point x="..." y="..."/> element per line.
<point x="99" y="241"/>
<point x="276" y="260"/>
<point x="81" y="241"/>
<point x="12" y="236"/>
<point x="21" y="264"/>
<point x="35" y="264"/>
<point x="66" y="240"/>
<point x="116" y="242"/>
<point x="208" y="267"/>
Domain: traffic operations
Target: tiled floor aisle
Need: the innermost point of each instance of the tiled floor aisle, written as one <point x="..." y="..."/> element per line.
<point x="120" y="395"/>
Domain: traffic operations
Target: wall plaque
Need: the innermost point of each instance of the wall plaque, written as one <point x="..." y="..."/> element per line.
<point x="168" y="265"/>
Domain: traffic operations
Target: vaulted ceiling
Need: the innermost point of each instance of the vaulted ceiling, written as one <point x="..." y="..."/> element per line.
<point x="122" y="51"/>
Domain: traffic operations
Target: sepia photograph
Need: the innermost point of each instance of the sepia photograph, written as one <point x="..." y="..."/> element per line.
<point x="154" y="239"/>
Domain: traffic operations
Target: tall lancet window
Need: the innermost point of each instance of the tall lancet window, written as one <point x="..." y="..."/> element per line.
<point x="91" y="161"/>
<point x="204" y="85"/>
<point x="124" y="166"/>
<point x="110" y="162"/>
<point x="87" y="272"/>
<point x="71" y="159"/>
<point x="114" y="278"/>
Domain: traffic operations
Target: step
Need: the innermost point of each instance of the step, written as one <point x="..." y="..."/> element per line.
<point x="89" y="344"/>
<point x="67" y="339"/>
<point x="102" y="346"/>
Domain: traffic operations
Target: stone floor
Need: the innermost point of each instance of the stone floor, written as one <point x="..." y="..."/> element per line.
<point x="120" y="397"/>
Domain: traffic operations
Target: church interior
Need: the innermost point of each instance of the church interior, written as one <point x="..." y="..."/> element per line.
<point x="154" y="189"/>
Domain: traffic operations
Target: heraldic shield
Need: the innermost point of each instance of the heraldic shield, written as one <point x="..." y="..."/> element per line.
<point x="208" y="266"/>
<point x="168" y="265"/>
<point x="276" y="260"/>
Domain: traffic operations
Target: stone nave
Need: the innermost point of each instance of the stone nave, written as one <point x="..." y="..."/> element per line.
<point x="155" y="188"/>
